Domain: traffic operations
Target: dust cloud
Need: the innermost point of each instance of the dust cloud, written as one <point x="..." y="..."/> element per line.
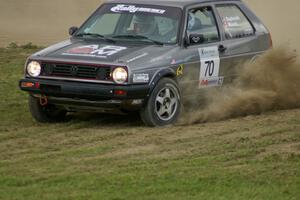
<point x="269" y="83"/>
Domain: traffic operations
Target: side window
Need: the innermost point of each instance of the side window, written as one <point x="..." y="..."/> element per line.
<point x="235" y="23"/>
<point x="202" y="21"/>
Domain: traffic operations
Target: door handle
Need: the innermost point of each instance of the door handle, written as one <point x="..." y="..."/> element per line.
<point x="222" y="48"/>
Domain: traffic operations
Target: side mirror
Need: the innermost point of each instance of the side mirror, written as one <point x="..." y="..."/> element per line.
<point x="72" y="30"/>
<point x="196" y="39"/>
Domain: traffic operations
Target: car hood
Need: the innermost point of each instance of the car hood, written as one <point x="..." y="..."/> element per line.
<point x="129" y="54"/>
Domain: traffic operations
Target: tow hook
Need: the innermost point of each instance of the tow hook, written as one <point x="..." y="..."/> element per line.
<point x="43" y="100"/>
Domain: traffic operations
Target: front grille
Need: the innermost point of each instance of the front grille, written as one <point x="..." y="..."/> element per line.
<point x="77" y="71"/>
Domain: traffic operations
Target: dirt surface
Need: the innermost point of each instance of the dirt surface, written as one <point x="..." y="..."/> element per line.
<point x="45" y="22"/>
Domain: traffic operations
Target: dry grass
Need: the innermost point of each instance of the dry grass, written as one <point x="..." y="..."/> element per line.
<point x="115" y="157"/>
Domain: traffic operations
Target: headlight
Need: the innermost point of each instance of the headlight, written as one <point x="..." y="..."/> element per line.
<point x="120" y="75"/>
<point x="34" y="69"/>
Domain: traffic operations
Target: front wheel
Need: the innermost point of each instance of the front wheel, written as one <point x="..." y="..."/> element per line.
<point x="45" y="114"/>
<point x="164" y="104"/>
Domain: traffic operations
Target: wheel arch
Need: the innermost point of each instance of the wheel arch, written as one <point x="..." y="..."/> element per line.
<point x="164" y="73"/>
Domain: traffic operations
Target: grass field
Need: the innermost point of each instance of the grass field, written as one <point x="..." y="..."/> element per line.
<point x="115" y="157"/>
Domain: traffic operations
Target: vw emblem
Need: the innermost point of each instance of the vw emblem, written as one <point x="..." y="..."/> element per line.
<point x="74" y="70"/>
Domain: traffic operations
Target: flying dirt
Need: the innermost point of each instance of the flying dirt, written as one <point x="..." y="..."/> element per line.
<point x="269" y="83"/>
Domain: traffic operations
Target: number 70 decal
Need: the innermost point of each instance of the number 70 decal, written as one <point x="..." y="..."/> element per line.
<point x="209" y="67"/>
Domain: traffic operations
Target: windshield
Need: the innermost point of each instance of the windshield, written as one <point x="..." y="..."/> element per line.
<point x="157" y="24"/>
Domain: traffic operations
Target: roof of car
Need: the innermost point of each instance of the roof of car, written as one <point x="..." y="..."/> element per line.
<point x="174" y="3"/>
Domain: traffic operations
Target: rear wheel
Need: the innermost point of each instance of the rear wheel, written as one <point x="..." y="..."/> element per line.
<point x="164" y="104"/>
<point x="45" y="114"/>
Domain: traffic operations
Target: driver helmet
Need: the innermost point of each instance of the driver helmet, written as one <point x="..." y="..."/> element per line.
<point x="144" y="24"/>
<point x="191" y="21"/>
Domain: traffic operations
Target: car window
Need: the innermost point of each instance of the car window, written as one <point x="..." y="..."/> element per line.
<point x="235" y="23"/>
<point x="109" y="21"/>
<point x="164" y="28"/>
<point x="202" y="21"/>
<point x="135" y="22"/>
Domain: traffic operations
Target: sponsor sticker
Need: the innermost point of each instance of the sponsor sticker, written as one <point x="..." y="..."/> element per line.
<point x="212" y="82"/>
<point x="173" y="61"/>
<point x="94" y="51"/>
<point x="231" y="21"/>
<point x="134" y="9"/>
<point x="140" y="78"/>
<point x="137" y="57"/>
<point x="179" y="70"/>
<point x="137" y="102"/>
<point x="209" y="67"/>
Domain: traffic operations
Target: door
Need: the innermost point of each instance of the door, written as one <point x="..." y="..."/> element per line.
<point x="240" y="41"/>
<point x="205" y="70"/>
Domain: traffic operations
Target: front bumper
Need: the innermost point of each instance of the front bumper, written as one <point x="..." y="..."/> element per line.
<point x="82" y="94"/>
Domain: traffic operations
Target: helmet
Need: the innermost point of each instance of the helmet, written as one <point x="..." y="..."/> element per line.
<point x="191" y="21"/>
<point x="144" y="24"/>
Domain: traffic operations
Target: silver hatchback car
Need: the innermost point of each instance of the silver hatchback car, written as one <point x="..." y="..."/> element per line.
<point x="136" y="55"/>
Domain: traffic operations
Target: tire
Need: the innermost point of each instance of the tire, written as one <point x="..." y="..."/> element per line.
<point x="164" y="104"/>
<point x="45" y="114"/>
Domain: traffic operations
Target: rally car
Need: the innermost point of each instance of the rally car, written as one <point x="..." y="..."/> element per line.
<point x="136" y="55"/>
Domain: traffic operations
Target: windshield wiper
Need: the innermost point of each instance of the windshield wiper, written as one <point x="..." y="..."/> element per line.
<point x="138" y="37"/>
<point x="95" y="35"/>
<point x="90" y="34"/>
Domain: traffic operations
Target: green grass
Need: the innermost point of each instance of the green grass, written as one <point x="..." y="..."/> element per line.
<point x="115" y="157"/>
